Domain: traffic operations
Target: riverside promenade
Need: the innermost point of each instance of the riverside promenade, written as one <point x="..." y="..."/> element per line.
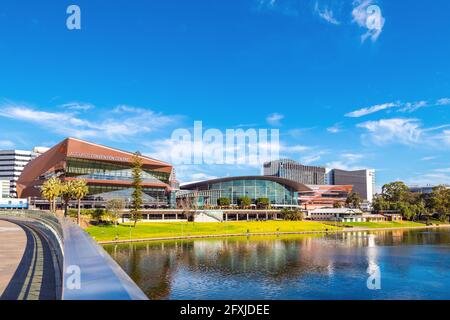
<point x="46" y="257"/>
<point x="26" y="264"/>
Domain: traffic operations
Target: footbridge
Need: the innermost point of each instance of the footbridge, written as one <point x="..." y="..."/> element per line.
<point x="44" y="257"/>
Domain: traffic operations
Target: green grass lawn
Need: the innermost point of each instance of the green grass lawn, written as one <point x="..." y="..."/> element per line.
<point x="177" y="229"/>
<point x="387" y="224"/>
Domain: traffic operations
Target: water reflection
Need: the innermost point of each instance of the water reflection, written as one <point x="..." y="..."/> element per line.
<point x="291" y="267"/>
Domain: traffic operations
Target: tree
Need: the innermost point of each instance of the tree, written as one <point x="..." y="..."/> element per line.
<point x="223" y="202"/>
<point x="396" y="196"/>
<point x="353" y="201"/>
<point x="51" y="189"/>
<point x="186" y="205"/>
<point x="395" y="191"/>
<point x="292" y="215"/>
<point x="263" y="203"/>
<point x="379" y="203"/>
<point x="136" y="197"/>
<point x="97" y="214"/>
<point x="67" y="194"/>
<point x="114" y="207"/>
<point x="80" y="190"/>
<point x="441" y="201"/>
<point x="244" y="202"/>
<point x="338" y="204"/>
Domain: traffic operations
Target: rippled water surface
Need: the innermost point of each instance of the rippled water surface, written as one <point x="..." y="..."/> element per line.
<point x="411" y="265"/>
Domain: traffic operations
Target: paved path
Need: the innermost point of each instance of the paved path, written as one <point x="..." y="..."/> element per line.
<point x="13" y="241"/>
<point x="26" y="263"/>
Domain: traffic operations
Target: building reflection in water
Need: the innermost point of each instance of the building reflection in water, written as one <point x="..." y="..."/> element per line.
<point x="273" y="263"/>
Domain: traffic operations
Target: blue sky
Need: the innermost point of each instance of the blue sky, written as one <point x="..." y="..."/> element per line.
<point x="342" y="95"/>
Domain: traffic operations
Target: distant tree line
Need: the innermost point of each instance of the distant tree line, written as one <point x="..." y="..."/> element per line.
<point x="397" y="196"/>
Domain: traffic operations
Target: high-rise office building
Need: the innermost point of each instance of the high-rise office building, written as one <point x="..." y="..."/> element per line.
<point x="12" y="163"/>
<point x="4" y="189"/>
<point x="292" y="170"/>
<point x="363" y="181"/>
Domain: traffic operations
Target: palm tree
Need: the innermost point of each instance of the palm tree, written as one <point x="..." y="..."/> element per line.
<point x="51" y="189"/>
<point x="67" y="194"/>
<point x="80" y="190"/>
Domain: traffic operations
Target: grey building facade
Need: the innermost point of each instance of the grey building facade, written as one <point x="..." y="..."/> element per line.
<point x="363" y="181"/>
<point x="292" y="170"/>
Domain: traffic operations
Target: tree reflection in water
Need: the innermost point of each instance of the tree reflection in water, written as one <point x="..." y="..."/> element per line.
<point x="307" y="266"/>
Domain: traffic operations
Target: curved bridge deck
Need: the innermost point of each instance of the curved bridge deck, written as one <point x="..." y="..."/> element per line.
<point x="26" y="263"/>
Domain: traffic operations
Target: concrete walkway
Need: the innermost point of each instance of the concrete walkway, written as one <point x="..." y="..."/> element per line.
<point x="13" y="241"/>
<point x="26" y="263"/>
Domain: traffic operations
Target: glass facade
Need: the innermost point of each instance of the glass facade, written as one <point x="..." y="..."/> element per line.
<point x="104" y="171"/>
<point x="277" y="193"/>
<point x="98" y="170"/>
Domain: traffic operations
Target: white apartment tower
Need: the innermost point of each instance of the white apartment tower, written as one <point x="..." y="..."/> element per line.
<point x="12" y="163"/>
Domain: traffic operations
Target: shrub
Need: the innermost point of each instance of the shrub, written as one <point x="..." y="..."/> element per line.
<point x="223" y="202"/>
<point x="292" y="215"/>
<point x="263" y="203"/>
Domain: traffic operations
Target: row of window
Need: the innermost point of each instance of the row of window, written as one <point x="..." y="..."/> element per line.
<point x="77" y="167"/>
<point x="157" y="194"/>
<point x="254" y="189"/>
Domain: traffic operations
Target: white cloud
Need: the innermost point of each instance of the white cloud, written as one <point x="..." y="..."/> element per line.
<point x="444" y="137"/>
<point x="405" y="131"/>
<point x="310" y="159"/>
<point x="413" y="106"/>
<point x="369" y="110"/>
<point x="190" y="173"/>
<point x="123" y="124"/>
<point x="432" y="178"/>
<point x="294" y="148"/>
<point x="347" y="161"/>
<point x="335" y="128"/>
<point x="385" y="131"/>
<point x="429" y="158"/>
<point x="78" y="106"/>
<point x="274" y="119"/>
<point x="284" y="7"/>
<point x="6" y="144"/>
<point x="339" y="164"/>
<point x="352" y="157"/>
<point x="443" y="102"/>
<point x="326" y="14"/>
<point x="400" y="106"/>
<point x="369" y="17"/>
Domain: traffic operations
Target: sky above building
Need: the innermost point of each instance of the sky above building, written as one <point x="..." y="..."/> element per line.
<point x="343" y="95"/>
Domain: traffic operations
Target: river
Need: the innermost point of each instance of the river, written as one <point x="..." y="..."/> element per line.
<point x="397" y="264"/>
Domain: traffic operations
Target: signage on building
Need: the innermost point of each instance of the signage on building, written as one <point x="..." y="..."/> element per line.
<point x="98" y="157"/>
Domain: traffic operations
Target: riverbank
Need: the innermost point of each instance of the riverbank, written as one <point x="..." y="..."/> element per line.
<point x="178" y="231"/>
<point x="292" y="267"/>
